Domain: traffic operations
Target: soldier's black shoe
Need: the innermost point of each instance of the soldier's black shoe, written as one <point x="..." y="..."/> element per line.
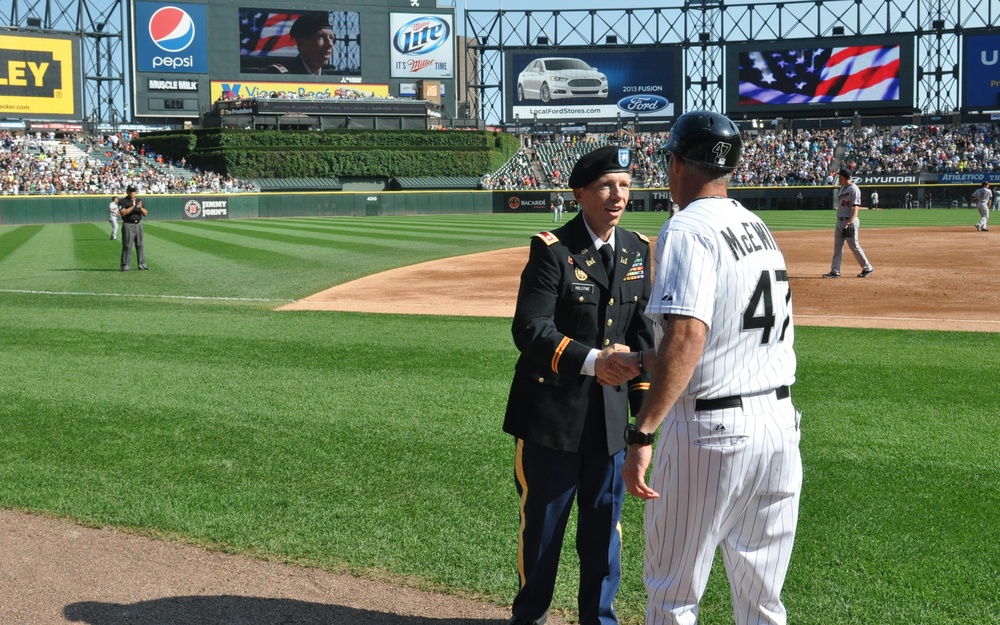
<point x="866" y="272"/>
<point x="516" y="620"/>
<point x="831" y="275"/>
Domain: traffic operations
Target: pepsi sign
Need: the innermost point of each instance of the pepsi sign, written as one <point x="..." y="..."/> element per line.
<point x="171" y="38"/>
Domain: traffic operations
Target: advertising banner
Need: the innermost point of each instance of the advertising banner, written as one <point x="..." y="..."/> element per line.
<point x="981" y="72"/>
<point x="584" y="84"/>
<point x="171" y="38"/>
<point x="422" y="46"/>
<point x="254" y="89"/>
<point x="199" y="208"/>
<point x="38" y="77"/>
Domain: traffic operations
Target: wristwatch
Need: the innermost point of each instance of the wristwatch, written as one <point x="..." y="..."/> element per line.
<point x="634" y="437"/>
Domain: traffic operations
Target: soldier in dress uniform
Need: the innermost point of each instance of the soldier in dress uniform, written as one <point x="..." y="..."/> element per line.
<point x="582" y="296"/>
<point x="315" y="39"/>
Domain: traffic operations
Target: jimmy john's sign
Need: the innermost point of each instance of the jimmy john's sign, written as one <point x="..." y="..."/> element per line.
<point x="38" y="77"/>
<point x="206" y="208"/>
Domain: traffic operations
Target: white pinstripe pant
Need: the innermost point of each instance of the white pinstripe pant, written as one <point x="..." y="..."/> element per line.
<point x="728" y="477"/>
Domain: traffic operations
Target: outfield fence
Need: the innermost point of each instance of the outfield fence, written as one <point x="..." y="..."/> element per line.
<point x="17" y="210"/>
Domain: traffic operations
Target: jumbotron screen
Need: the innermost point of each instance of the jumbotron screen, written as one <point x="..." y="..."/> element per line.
<point x="839" y="74"/>
<point x="278" y="41"/>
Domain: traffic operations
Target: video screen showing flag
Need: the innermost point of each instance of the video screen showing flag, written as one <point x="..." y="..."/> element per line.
<point x="848" y="76"/>
<point x="300" y="43"/>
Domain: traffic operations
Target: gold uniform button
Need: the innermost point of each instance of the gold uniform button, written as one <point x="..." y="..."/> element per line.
<point x="607" y="342"/>
<point x="581" y="299"/>
<point x="541" y="380"/>
<point x="635" y="298"/>
<point x="610" y="322"/>
<point x="611" y="302"/>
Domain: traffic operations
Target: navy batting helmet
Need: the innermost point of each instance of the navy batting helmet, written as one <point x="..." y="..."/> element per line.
<point x="706" y="137"/>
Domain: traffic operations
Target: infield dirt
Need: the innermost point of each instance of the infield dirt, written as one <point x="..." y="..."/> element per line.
<point x="925" y="279"/>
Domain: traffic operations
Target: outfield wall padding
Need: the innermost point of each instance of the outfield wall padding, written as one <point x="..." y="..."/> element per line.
<point x="45" y="209"/>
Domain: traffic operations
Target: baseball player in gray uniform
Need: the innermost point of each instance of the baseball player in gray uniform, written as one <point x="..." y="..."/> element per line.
<point x="982" y="196"/>
<point x="114" y="213"/>
<point x="848" y="203"/>
<point x="728" y="462"/>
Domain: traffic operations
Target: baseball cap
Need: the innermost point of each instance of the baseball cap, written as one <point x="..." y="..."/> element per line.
<point x="592" y="165"/>
<point x="308" y="23"/>
<point x="845" y="172"/>
<point x="131" y="189"/>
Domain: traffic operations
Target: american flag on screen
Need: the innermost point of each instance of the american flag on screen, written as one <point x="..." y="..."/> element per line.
<point x="819" y="75"/>
<point x="264" y="33"/>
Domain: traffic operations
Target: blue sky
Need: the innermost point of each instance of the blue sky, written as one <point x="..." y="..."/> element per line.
<point x="520" y="5"/>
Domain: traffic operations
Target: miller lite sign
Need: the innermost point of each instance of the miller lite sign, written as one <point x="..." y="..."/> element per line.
<point x="170" y="38"/>
<point x="421" y="45"/>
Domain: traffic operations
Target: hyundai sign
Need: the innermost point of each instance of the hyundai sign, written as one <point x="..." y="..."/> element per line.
<point x="171" y="38"/>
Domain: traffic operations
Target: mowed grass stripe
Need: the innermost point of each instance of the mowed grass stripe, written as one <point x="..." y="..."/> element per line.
<point x="249" y="254"/>
<point x="248" y="229"/>
<point x="93" y="248"/>
<point x="381" y="226"/>
<point x="14" y="238"/>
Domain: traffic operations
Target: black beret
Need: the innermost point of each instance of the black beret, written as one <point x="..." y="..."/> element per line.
<point x="593" y="165"/>
<point x="308" y="23"/>
<point x="845" y="172"/>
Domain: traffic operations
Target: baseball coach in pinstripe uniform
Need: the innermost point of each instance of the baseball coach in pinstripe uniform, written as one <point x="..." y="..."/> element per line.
<point x="582" y="297"/>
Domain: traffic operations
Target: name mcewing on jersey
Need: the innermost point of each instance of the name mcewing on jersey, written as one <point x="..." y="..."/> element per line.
<point x="756" y="237"/>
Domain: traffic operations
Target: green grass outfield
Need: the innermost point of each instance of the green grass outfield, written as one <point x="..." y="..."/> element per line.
<point x="175" y="403"/>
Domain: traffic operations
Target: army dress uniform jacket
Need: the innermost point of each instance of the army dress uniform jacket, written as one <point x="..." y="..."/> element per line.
<point x="565" y="307"/>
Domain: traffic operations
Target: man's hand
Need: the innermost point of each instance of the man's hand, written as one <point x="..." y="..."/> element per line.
<point x="616" y="365"/>
<point x="634" y="471"/>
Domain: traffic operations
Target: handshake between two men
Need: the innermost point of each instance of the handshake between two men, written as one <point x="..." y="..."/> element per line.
<point x="616" y="365"/>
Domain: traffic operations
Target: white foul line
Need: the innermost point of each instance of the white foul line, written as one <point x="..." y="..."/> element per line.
<point x="807" y="316"/>
<point x="198" y="297"/>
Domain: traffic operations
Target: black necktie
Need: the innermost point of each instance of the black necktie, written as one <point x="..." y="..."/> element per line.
<point x="608" y="255"/>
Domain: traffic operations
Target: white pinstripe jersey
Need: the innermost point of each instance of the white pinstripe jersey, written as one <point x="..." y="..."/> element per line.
<point x="718" y="262"/>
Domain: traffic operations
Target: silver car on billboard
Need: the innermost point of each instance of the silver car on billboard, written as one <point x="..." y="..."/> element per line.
<point x="558" y="78"/>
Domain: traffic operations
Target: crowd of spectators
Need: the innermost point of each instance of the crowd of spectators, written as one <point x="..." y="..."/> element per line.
<point x="33" y="163"/>
<point x="105" y="164"/>
<point x="772" y="157"/>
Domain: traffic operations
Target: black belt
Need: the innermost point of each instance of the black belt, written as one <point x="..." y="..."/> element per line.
<point x="842" y="218"/>
<point x="782" y="392"/>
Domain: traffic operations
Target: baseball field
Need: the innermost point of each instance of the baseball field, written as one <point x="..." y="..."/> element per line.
<point x="181" y="404"/>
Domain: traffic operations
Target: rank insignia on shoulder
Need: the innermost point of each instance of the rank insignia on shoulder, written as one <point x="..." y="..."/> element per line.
<point x="642" y="237"/>
<point x="548" y="237"/>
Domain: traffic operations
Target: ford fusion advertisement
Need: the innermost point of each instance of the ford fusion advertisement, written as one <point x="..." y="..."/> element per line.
<point x="574" y="85"/>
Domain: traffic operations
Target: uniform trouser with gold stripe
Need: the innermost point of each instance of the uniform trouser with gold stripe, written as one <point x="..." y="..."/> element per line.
<point x="547" y="482"/>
